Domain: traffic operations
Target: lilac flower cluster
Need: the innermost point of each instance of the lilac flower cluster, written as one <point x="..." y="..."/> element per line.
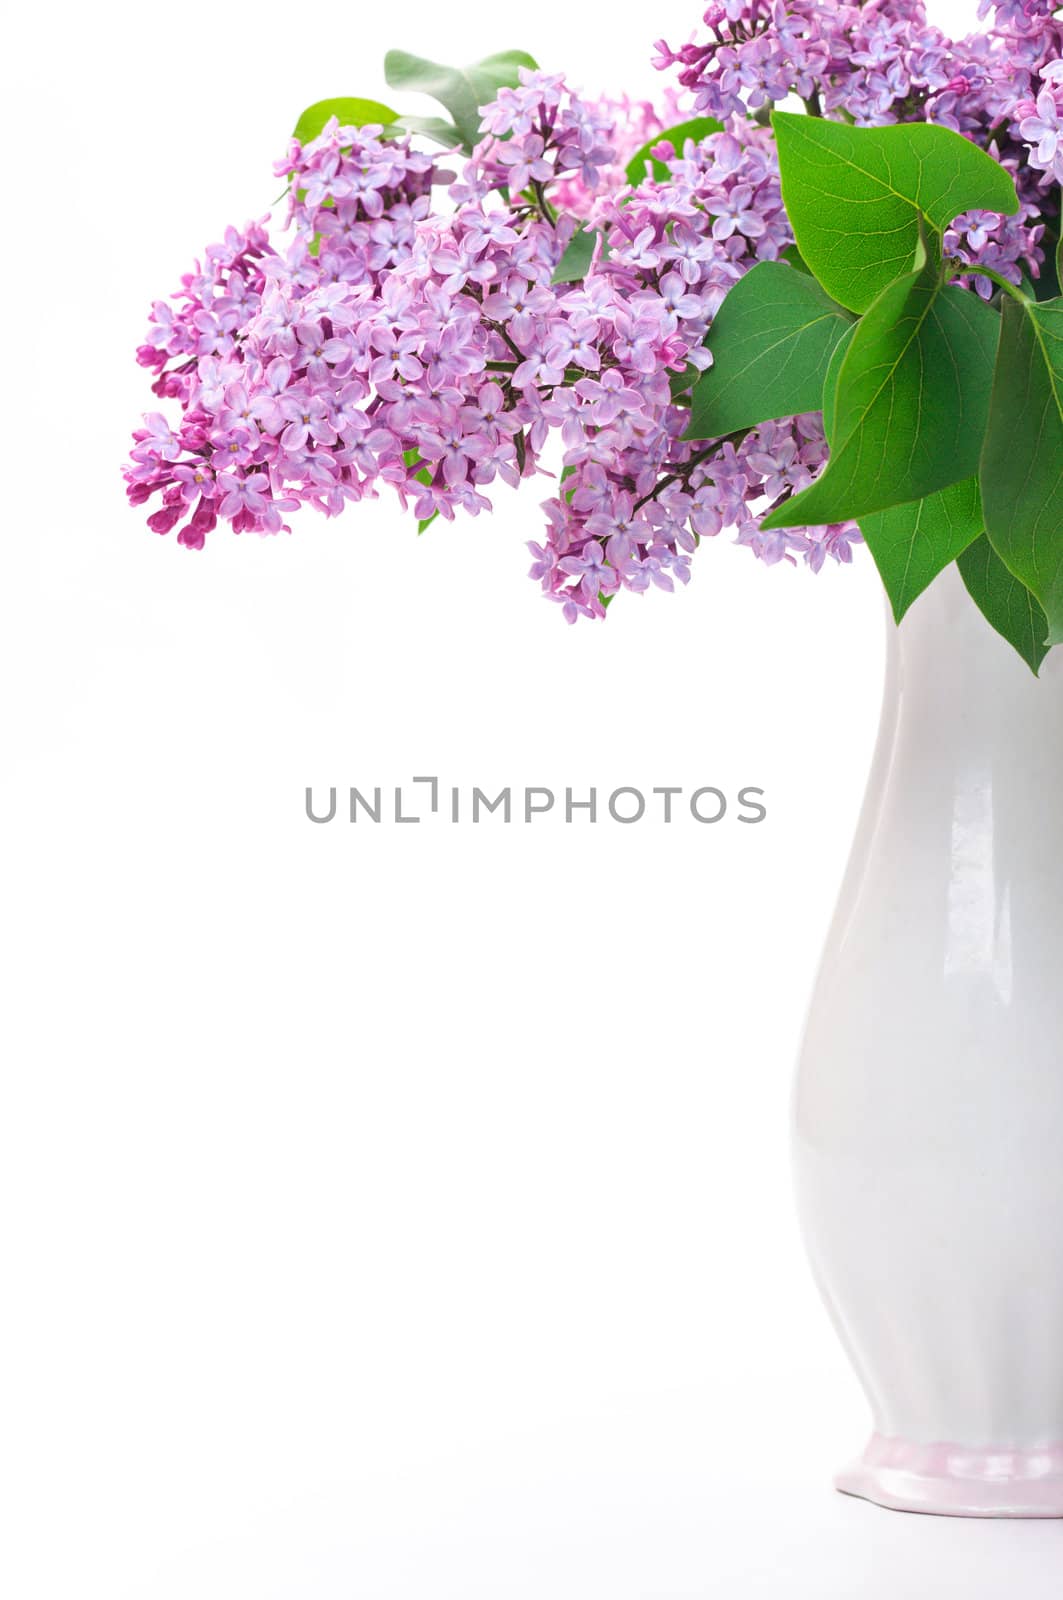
<point x="263" y="418"/>
<point x="393" y="340"/>
<point x="883" y="62"/>
<point x="636" y="499"/>
<point x="876" y="63"/>
<point x="388" y="345"/>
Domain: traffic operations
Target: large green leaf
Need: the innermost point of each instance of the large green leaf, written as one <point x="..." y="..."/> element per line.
<point x="697" y="128"/>
<point x="463" y="90"/>
<point x="854" y="196"/>
<point x="1022" y="461"/>
<point x="351" y="114"/>
<point x="793" y="255"/>
<point x="911" y="544"/>
<point x="771" y="342"/>
<point x="910" y="403"/>
<point x="1005" y="603"/>
<point x="577" y="256"/>
<point x="830" y="382"/>
<point x="436" y="128"/>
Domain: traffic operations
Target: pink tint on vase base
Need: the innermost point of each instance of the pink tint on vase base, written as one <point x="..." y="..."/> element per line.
<point x="950" y="1480"/>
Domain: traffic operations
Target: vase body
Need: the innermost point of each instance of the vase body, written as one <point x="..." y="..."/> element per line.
<point x="928" y="1107"/>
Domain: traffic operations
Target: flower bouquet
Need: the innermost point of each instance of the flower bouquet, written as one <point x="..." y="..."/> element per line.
<point x="832" y="323"/>
<point x="812" y="298"/>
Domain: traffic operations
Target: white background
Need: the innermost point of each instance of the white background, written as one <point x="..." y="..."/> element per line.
<point x="392" y="1213"/>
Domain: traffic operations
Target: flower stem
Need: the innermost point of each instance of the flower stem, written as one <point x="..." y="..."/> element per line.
<point x="687" y="467"/>
<point x="995" y="277"/>
<point x="546" y="210"/>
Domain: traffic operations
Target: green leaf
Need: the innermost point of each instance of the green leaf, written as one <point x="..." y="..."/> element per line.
<point x="411" y="457"/>
<point x="909" y="406"/>
<point x="697" y="128"/>
<point x="854" y="195"/>
<point x="771" y="343"/>
<point x="463" y="90"/>
<point x="830" y="382"/>
<point x="681" y="383"/>
<point x="1022" y="460"/>
<point x="793" y="255"/>
<point x="911" y="544"/>
<point x="577" y="256"/>
<point x="1006" y="604"/>
<point x="351" y="114"/>
<point x="436" y="128"/>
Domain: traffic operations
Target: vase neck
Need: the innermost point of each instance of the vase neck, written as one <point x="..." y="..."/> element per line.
<point x="948" y="666"/>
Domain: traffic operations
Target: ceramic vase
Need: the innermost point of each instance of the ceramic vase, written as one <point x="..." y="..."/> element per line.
<point x="928" y="1108"/>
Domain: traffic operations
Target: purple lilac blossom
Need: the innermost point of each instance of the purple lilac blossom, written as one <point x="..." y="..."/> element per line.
<point x="384" y="343"/>
<point x="884" y="62"/>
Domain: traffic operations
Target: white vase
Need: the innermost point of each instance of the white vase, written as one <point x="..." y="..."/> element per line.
<point x="928" y="1109"/>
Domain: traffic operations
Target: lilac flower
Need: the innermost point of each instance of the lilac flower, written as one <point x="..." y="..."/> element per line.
<point x="545" y="560"/>
<point x="680" y="302"/>
<point x="318" y="351"/>
<point x="592" y="569"/>
<point x="397" y="363"/>
<point x="523" y="161"/>
<point x="574" y="344"/>
<point x="734" y="214"/>
<point x="159" y="439"/>
<point x="231" y="447"/>
<point x="450" y="446"/>
<point x="1044" y="130"/>
<point x="607" y="400"/>
<point x="242" y="494"/>
<point x="251" y="408"/>
<point x="307" y="417"/>
<point x="519" y="303"/>
<point x="196" y="479"/>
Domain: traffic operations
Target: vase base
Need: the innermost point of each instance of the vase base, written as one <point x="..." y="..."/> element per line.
<point x="949" y="1480"/>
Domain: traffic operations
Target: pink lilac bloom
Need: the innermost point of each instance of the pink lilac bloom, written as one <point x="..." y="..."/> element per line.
<point x="405" y="334"/>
